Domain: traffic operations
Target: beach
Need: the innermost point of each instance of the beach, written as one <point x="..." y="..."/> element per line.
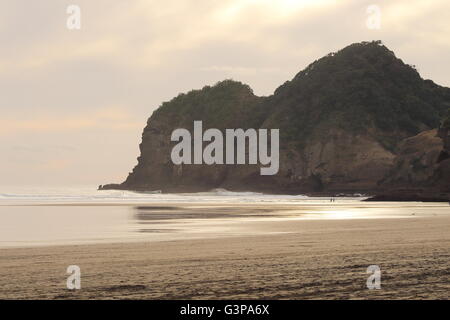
<point x="269" y="257"/>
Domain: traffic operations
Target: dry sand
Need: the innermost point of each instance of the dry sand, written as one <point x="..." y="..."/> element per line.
<point x="312" y="259"/>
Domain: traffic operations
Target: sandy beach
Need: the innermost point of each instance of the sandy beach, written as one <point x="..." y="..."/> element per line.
<point x="294" y="259"/>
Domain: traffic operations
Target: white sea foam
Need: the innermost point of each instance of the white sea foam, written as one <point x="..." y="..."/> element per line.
<point x="91" y="195"/>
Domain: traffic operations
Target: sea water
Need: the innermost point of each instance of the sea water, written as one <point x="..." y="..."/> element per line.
<point x="36" y="216"/>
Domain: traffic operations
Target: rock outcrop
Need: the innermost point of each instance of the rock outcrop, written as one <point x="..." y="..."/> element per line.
<point x="422" y="168"/>
<point x="345" y="122"/>
<point x="441" y="176"/>
<point x="416" y="162"/>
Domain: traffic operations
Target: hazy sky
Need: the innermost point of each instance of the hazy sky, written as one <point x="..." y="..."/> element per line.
<point x="74" y="102"/>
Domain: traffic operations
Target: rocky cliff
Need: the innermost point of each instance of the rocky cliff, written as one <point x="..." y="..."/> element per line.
<point x="343" y="123"/>
<point x="416" y="162"/>
<point x="421" y="170"/>
<point x="441" y="176"/>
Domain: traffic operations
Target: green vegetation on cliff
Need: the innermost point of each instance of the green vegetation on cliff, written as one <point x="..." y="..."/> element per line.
<point x="225" y="105"/>
<point x="361" y="88"/>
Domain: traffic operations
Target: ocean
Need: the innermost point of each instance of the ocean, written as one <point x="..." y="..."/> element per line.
<point x="36" y="216"/>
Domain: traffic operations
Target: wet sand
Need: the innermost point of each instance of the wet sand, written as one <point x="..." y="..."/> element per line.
<point x="298" y="259"/>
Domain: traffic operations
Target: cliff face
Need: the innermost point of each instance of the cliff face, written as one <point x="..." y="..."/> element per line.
<point x="421" y="170"/>
<point x="444" y="134"/>
<point x="228" y="104"/>
<point x="342" y="121"/>
<point x="416" y="162"/>
<point x="441" y="176"/>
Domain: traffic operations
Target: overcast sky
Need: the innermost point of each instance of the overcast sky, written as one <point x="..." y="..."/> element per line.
<point x="74" y="102"/>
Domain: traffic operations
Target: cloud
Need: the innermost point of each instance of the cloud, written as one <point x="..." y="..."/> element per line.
<point x="94" y="89"/>
<point x="240" y="70"/>
<point x="108" y="118"/>
<point x="144" y="34"/>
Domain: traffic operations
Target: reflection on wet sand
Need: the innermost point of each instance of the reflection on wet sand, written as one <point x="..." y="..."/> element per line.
<point x="183" y="216"/>
<point x="244" y="218"/>
<point x="207" y="212"/>
<point x="80" y="223"/>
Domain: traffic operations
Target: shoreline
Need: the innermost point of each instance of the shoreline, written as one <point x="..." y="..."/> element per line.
<point x="394" y="195"/>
